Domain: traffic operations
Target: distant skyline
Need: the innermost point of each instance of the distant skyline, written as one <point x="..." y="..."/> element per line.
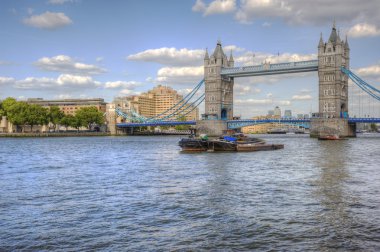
<point x="57" y="49"/>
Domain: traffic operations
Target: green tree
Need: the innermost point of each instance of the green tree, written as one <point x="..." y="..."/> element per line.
<point x="89" y="115"/>
<point x="17" y="112"/>
<point x="7" y="104"/>
<point x="2" y="112"/>
<point x="55" y="115"/>
<point x="36" y="115"/>
<point x="373" y="127"/>
<point x="182" y="118"/>
<point x="66" y="121"/>
<point x="76" y="122"/>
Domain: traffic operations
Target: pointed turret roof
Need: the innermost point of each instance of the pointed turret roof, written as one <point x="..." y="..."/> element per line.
<point x="206" y="55"/>
<point x="333" y="36"/>
<point x="218" y="52"/>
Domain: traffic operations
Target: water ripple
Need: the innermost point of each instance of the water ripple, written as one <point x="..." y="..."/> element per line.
<point x="142" y="194"/>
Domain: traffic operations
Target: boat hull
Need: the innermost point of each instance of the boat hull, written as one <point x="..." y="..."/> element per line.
<point x="258" y="147"/>
<point x="192" y="144"/>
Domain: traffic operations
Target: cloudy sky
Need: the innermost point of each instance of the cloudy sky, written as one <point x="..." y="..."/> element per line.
<point x="96" y="48"/>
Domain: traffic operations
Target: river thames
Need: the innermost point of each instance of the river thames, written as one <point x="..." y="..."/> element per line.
<point x="142" y="194"/>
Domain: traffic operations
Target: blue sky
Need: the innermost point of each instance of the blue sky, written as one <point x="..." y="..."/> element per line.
<point x="91" y="48"/>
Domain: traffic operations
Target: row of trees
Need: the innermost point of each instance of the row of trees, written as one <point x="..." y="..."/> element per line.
<point x="20" y="113"/>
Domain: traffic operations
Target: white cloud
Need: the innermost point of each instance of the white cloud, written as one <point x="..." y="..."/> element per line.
<point x="266" y="24"/>
<point x="6" y="80"/>
<point x="199" y="6"/>
<point x="63" y="81"/>
<point x="261" y="102"/>
<point x="99" y="59"/>
<point x="170" y="56"/>
<point x="284" y="103"/>
<point x="48" y="20"/>
<point x="63" y="96"/>
<point x="215" y="7"/>
<point x="124" y="92"/>
<point x="65" y="64"/>
<point x="244" y="89"/>
<point x="302" y="97"/>
<point x="372" y="71"/>
<point x="254" y="101"/>
<point x="363" y="30"/>
<point x="59" y="2"/>
<point x="306" y="12"/>
<point x="130" y="85"/>
<point x="66" y="84"/>
<point x="179" y="75"/>
<point x="233" y="48"/>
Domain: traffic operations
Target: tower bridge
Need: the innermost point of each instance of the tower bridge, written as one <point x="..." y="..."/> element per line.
<point x="332" y="66"/>
<point x="219" y="74"/>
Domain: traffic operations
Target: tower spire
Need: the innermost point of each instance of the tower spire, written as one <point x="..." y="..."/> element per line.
<point x="320" y="41"/>
<point x="206" y="55"/>
<point x="231" y="57"/>
<point x="346" y="43"/>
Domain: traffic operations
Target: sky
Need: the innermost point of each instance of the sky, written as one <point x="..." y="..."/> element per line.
<point x="58" y="49"/>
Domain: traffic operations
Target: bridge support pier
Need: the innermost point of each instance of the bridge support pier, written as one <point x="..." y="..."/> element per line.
<point x="213" y="128"/>
<point x="327" y="126"/>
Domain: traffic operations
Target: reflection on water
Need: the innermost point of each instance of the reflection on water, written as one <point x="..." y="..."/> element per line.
<point x="142" y="194"/>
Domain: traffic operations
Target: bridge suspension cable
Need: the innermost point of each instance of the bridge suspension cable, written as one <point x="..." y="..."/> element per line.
<point x="184" y="100"/>
<point x="358" y="97"/>
<point x="176" y="112"/>
<point x="372" y="91"/>
<point x="195" y="106"/>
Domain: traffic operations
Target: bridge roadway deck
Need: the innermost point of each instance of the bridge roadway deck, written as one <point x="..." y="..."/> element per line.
<point x="241" y="123"/>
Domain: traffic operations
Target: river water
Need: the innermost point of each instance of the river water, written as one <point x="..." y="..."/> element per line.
<point x="142" y="194"/>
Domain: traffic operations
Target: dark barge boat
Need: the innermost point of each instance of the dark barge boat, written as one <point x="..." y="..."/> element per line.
<point x="238" y="142"/>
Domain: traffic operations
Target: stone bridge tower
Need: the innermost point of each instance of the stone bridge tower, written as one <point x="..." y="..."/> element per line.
<point x="218" y="93"/>
<point x="333" y="87"/>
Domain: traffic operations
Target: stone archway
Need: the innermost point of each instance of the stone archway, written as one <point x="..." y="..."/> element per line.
<point x="223" y="114"/>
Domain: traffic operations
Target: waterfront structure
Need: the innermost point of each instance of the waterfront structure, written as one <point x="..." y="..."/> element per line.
<point x="218" y="92"/>
<point x="270" y="112"/>
<point x="70" y="106"/>
<point x="155" y="103"/>
<point x="277" y="111"/>
<point x="333" y="87"/>
<point x="333" y="71"/>
<point x="288" y="114"/>
<point x="333" y="57"/>
<point x="266" y="127"/>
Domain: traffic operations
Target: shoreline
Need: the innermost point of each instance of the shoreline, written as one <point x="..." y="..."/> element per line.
<point x="81" y="134"/>
<point x="55" y="134"/>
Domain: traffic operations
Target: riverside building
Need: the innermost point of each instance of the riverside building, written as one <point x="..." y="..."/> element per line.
<point x="70" y="106"/>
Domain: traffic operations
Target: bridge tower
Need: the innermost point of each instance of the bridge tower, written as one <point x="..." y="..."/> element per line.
<point x="218" y="93"/>
<point x="333" y="87"/>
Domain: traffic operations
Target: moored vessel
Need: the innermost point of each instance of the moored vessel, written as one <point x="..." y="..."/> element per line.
<point x="236" y="142"/>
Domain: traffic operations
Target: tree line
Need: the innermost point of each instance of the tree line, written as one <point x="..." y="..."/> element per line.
<point x="23" y="114"/>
